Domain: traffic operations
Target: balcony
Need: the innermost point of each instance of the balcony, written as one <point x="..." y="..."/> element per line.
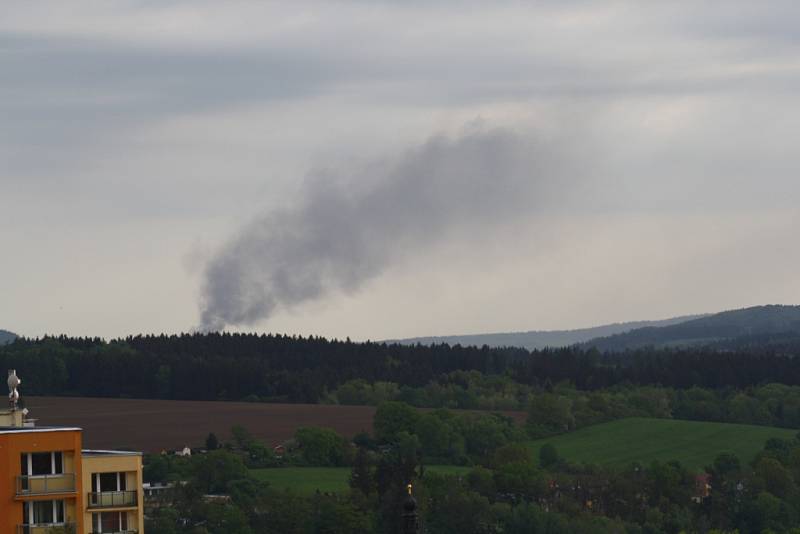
<point x="112" y="499"/>
<point x="45" y="484"/>
<point x="45" y="528"/>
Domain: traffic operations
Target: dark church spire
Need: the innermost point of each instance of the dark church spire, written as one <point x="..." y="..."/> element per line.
<point x="410" y="516"/>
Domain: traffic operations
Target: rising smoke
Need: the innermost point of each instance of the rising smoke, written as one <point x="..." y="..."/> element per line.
<point x="344" y="232"/>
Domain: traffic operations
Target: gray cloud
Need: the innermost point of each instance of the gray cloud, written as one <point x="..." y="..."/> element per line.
<point x="343" y="233"/>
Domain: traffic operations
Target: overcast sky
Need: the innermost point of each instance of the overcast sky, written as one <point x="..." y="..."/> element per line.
<point x="391" y="169"/>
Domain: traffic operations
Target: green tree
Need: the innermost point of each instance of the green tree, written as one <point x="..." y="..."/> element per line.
<point x="259" y="455"/>
<point x="548" y="456"/>
<point x="460" y="510"/>
<point x="549" y="413"/>
<point x="361" y="477"/>
<point x="745" y="409"/>
<point x="212" y="443"/>
<point x="669" y="481"/>
<point x="163" y="382"/>
<point x="156" y="468"/>
<point x="481" y="481"/>
<point x="511" y="453"/>
<point x="522" y="479"/>
<point x="725" y="477"/>
<point x="215" y="470"/>
<point x="225" y="518"/>
<point x="484" y="433"/>
<point x="768" y="512"/>
<point x="439" y="436"/>
<point x="775" y="478"/>
<point x="282" y="512"/>
<point x="162" y="520"/>
<point x="248" y="493"/>
<point x="331" y="515"/>
<point x="322" y="447"/>
<point x="241" y="436"/>
<point x="393" y="417"/>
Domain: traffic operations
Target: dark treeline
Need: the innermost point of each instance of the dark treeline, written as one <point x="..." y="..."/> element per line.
<point x="296" y="369"/>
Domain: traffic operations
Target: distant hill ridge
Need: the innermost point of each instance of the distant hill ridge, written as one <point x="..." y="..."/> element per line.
<point x="7" y="337"/>
<point x="539" y="339"/>
<point x="728" y="325"/>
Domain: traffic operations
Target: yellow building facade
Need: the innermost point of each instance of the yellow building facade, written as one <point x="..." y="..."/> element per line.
<point x="113" y="485"/>
<point x="48" y="483"/>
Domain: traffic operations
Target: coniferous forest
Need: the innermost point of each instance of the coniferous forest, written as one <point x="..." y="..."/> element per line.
<point x="274" y="368"/>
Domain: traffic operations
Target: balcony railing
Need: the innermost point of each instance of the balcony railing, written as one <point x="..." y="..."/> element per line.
<point x="45" y="528"/>
<point x="110" y="499"/>
<point x="45" y="484"/>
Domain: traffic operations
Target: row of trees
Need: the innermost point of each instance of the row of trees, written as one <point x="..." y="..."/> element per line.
<point x="564" y="408"/>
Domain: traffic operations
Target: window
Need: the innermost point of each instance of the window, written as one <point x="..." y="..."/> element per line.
<point x="108" y="482"/>
<point x="43" y="512"/>
<point x="42" y="463"/>
<point x="110" y="522"/>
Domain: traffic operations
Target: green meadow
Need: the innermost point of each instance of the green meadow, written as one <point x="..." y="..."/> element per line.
<point x="694" y="444"/>
<point x="307" y="480"/>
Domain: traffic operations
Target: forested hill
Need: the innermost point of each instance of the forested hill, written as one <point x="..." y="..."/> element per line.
<point x="730" y="329"/>
<point x="6" y="337"/>
<point x="540" y="339"/>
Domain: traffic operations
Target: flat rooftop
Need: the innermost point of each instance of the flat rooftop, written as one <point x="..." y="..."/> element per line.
<point x="92" y="452"/>
<point x="29" y="429"/>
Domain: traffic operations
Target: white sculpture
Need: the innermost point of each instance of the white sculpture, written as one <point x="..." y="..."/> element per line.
<point x="13" y="383"/>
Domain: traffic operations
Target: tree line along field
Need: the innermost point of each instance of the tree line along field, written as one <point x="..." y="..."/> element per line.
<point x="154" y="425"/>
<point x="695" y="444"/>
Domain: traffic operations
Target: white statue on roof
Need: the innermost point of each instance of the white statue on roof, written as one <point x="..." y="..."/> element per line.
<point x="13" y="383"/>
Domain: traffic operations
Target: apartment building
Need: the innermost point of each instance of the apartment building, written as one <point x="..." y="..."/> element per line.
<point x="48" y="483"/>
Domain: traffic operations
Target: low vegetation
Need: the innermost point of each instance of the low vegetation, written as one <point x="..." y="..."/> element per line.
<point x="632" y="476"/>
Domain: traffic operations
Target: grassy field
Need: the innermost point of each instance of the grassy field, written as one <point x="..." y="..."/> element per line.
<point x="616" y="444"/>
<point x="307" y="480"/>
<point x="694" y="444"/>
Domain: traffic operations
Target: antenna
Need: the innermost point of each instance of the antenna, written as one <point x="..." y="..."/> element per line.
<point x="13" y="383"/>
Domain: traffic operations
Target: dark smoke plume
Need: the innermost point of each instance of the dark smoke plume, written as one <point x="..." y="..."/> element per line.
<point x="343" y="233"/>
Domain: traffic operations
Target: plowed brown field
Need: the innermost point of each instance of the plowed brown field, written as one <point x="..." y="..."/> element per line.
<point x="155" y="425"/>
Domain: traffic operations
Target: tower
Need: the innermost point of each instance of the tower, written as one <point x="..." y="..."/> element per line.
<point x="410" y="516"/>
